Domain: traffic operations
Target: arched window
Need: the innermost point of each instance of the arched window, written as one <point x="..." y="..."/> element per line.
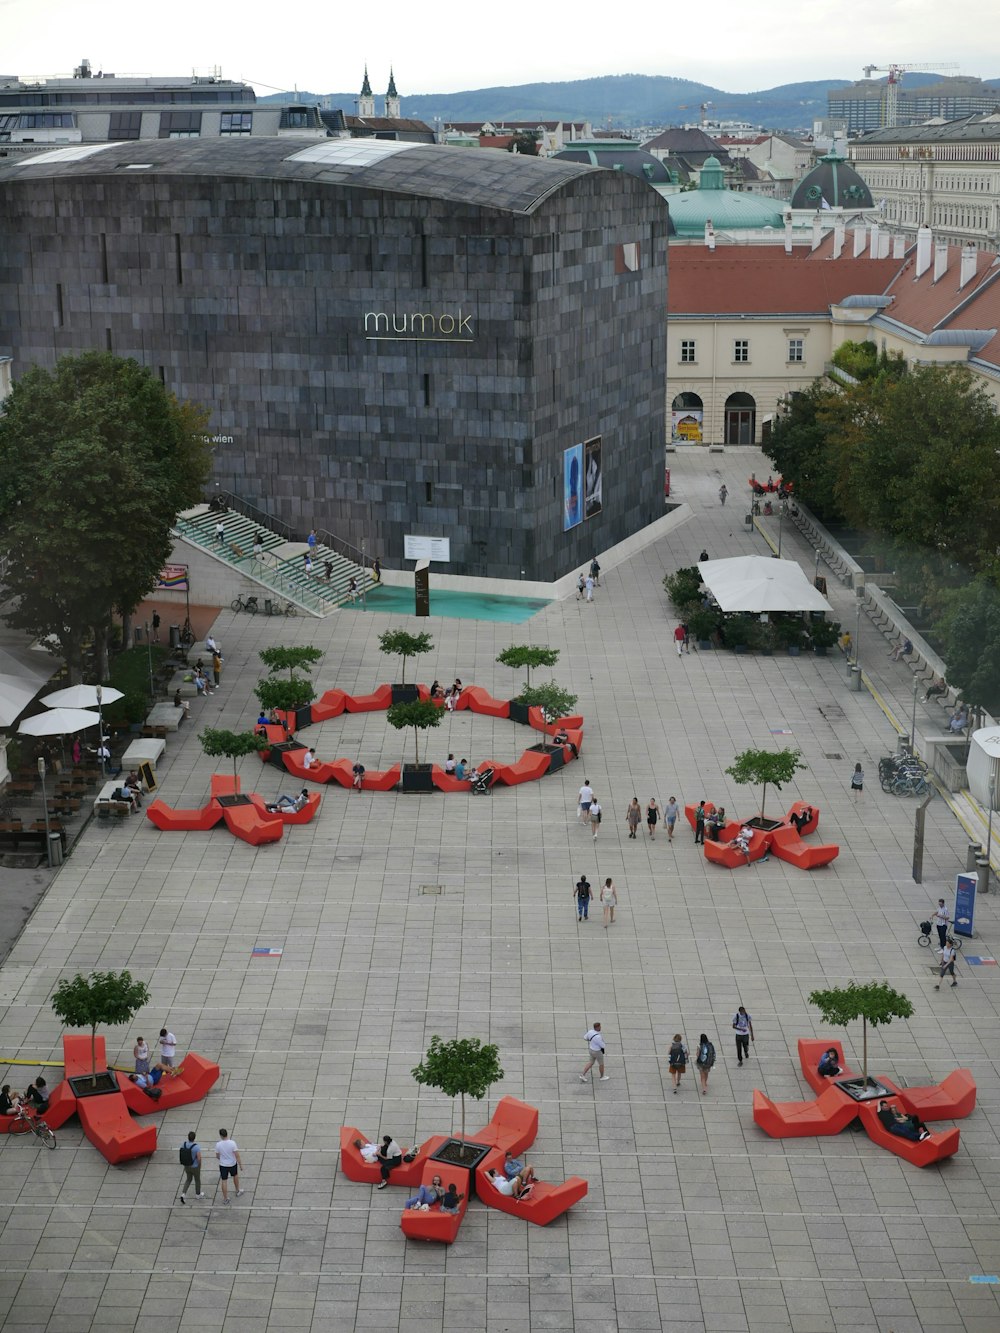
<point x="741" y="419"/>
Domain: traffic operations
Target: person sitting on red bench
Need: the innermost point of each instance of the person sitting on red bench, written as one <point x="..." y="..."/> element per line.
<point x="829" y="1064"/>
<point x="516" y="1187"/>
<point x="903" y="1126"/>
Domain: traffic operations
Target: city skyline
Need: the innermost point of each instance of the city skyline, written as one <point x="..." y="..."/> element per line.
<point x="829" y="42"/>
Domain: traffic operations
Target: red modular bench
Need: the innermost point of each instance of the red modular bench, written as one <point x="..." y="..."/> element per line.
<point x="447" y="781"/>
<point x="829" y="1113"/>
<point x="720" y="853"/>
<point x="164" y="817"/>
<point x="481" y="701"/>
<point x="197" y="1078"/>
<point x="532" y="764"/>
<point x="356" y="1168"/>
<point x="810" y="1050"/>
<point x="288" y="816"/>
<point x="513" y="1127"/>
<point x="225" y="784"/>
<point x="544" y="1203"/>
<point x="434" y="1224"/>
<point x="536" y="719"/>
<point x="381" y="698"/>
<point x="106" y="1119"/>
<point x="788" y="846"/>
<point x="951" y="1099"/>
<point x="929" y="1150"/>
<point x="377" y="781"/>
<point x="798" y="808"/>
<point x="330" y="704"/>
<point x="252" y="825"/>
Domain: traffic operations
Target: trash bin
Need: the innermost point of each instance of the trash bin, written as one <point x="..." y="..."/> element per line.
<point x="267" y="606"/>
<point x="55" y="849"/>
<point x="856" y="679"/>
<point x="175" y="637"/>
<point x="748" y="520"/>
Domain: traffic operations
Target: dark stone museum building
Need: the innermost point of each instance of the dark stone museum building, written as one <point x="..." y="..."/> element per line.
<point x="394" y="339"/>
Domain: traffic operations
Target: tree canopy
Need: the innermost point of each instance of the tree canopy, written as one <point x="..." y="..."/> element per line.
<point x="96" y="461"/>
<point x="873" y="1002"/>
<point x="400" y="643"/>
<point x="552" y="699"/>
<point x="285" y="694"/>
<point x="231" y="744"/>
<point x="971" y="631"/>
<point x="419" y="715"/>
<point x="528" y="655"/>
<point x="290" y="659"/>
<point x="772" y="768"/>
<point x="103" y="997"/>
<point x="462" y="1067"/>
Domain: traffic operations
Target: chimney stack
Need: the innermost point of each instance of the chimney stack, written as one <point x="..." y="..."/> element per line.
<point x="817" y="235"/>
<point x="924" y="240"/>
<point x="968" y="270"/>
<point x="788" y="233"/>
<point x="709" y="234"/>
<point x="873" y="235"/>
<point x="860" y="236"/>
<point x="940" y="260"/>
<point x="838" y="237"/>
<point x="898" y="245"/>
<point x="883" y="245"/>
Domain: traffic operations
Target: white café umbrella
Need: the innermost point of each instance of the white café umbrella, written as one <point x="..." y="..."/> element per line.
<point x="15" y="695"/>
<point x="81" y="696"/>
<point x="58" y="722"/>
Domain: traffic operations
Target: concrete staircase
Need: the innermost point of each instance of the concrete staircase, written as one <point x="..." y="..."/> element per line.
<point x="281" y="567"/>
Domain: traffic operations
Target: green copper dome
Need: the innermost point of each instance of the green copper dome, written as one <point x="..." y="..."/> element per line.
<point x="727" y="210"/>
<point x="832" y="183"/>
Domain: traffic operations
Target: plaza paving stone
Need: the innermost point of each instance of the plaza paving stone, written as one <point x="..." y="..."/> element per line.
<point x="695" y="1220"/>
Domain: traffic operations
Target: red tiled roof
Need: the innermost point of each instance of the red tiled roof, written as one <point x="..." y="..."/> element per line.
<point x="924" y="305"/>
<point x="759" y="281"/>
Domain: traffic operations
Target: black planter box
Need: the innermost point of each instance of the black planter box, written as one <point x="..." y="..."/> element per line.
<point x="83" y="1086"/>
<point x="477" y="1151"/>
<point x="303" y="716"/>
<point x="855" y="1087"/>
<point x="417" y="778"/>
<point x="518" y="712"/>
<point x="405" y="694"/>
<point x="555" y="753"/>
<point x="281" y="748"/>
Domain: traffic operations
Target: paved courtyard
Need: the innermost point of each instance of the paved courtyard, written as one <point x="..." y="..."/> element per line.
<point x="694" y="1220"/>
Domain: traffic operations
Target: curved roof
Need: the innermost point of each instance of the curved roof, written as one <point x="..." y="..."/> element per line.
<point x="487" y="179"/>
<point x="727" y="210"/>
<point x="619" y="155"/>
<point x="833" y="183"/>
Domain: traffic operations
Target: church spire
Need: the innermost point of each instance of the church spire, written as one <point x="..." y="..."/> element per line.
<point x="366" y="100"/>
<point x="392" y="98"/>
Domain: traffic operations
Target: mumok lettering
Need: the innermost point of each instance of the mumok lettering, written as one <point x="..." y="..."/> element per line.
<point x="421" y="326"/>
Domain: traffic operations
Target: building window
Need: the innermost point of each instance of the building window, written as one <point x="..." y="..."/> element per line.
<point x="688" y="351"/>
<point x="796" y="349"/>
<point x="236" y="122"/>
<point x="741" y="350"/>
<point x="125" y="125"/>
<point x="180" y="124"/>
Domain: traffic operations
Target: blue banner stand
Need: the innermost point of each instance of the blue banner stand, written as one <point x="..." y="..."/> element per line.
<point x="965" y="904"/>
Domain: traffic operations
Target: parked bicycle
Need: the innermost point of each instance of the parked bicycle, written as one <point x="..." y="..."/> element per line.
<point x="925" y="938"/>
<point x="23" y="1123"/>
<point x="250" y="604"/>
<point x="289" y="609"/>
<point x="903" y="775"/>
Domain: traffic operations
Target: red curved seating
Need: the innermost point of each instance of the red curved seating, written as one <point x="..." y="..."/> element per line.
<point x="513" y="1127"/>
<point x="62" y="1101"/>
<point x="434" y="1224"/>
<point x="380" y="698"/>
<point x="382" y="781"/>
<point x="164" y="816"/>
<point x="690" y="809"/>
<point x="798" y="808"/>
<point x="545" y="1201"/>
<point x="932" y="1149"/>
<point x="108" y="1124"/>
<point x="447" y="781"/>
<point x="356" y="1168"/>
<point x="197" y="1078"/>
<point x="536" y="719"/>
<point x="251" y="824"/>
<point x="330" y="704"/>
<point x="810" y="1050"/>
<point x="788" y="846"/>
<point x="951" y="1099"/>
<point x="829" y="1113"/>
<point x="225" y="784"/>
<point x="481" y="701"/>
<point x="720" y="853"/>
<point x="532" y="764"/>
<point x="287" y="816"/>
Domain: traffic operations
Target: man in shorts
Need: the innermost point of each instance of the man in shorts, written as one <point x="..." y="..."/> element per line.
<point x="586" y="799"/>
<point x="228" y="1152"/>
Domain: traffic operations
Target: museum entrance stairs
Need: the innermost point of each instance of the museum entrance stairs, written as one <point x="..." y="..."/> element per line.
<point x="280" y="565"/>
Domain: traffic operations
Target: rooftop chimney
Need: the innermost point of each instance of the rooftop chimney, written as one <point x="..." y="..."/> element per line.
<point x="968" y="270"/>
<point x="838" y="237"/>
<point x="788" y="233"/>
<point x="860" y="235"/>
<point x="883" y="245"/>
<point x="817" y="235"/>
<point x="898" y="245"/>
<point x="924" y="240"/>
<point x="873" y="241"/>
<point x="709" y="234"/>
<point x="940" y="260"/>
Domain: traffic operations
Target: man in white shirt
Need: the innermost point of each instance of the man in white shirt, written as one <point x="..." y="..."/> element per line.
<point x="595" y="1044"/>
<point x="212" y="645"/>
<point x="168" y="1047"/>
<point x="227" y="1150"/>
<point x="308" y="759"/>
<point x="586" y="798"/>
<point x="948" y="954"/>
<point x="942" y="919"/>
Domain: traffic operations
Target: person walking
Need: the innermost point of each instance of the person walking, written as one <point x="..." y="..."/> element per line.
<point x="679" y="636"/>
<point x="699" y="823"/>
<point x="595" y="571"/>
<point x="377" y="570"/>
<point x="609" y="901"/>
<point x="227" y="1150"/>
<point x="156" y="626"/>
<point x="722" y="495"/>
<point x="585" y="799"/>
<point x="948" y="954"/>
<point x="670" y="814"/>
<point x="857" y="781"/>
<point x="633" y="817"/>
<point x="942" y="919"/>
<point x="216" y="668"/>
<point x="677" y="1059"/>
<point x="583" y="894"/>
<point x="595" y="1044"/>
<point x="311" y="539"/>
<point x="705" y="1059"/>
<point x="220" y="532"/>
<point x="595" y="816"/>
<point x="652" y="817"/>
<point x="743" y="1027"/>
<point x="589" y="585"/>
<point x="190" y="1155"/>
<point x="581" y="586"/>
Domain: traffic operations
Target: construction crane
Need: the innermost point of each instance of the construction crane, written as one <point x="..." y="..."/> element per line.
<point x="890" y="104"/>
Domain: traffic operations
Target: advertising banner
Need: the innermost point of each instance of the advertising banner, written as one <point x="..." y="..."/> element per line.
<point x="965" y="904"/>
<point x="173" y="577"/>
<point x="594" y="477"/>
<point x="687" y="426"/>
<point x="572" y="487"/>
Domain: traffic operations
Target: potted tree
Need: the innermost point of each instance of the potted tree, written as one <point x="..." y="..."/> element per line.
<point x="767" y="768"/>
<point x="742" y="632"/>
<point x="461" y="1067"/>
<point x="703" y="623"/>
<point x="552" y="699"/>
<point x="873" y="1002"/>
<point x="400" y="643"/>
<point x="233" y="745"/>
<point x="103" y="997"/>
<point x="683" y="587"/>
<point x="823" y="635"/>
<point x="420" y="715"/>
<point x="293" y="696"/>
<point x="528" y="655"/>
<point x="789" y="633"/>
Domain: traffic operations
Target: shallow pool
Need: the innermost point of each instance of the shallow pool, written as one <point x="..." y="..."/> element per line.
<point x="462" y="605"/>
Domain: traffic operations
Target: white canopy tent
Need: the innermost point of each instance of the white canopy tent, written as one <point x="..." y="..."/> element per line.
<point x="756" y="583"/>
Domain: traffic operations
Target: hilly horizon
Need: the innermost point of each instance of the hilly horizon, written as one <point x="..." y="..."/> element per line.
<point x="622" y="101"/>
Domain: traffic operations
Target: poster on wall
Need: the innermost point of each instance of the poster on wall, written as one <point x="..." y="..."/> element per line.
<point x="593" y="477"/>
<point x="172" y="578"/>
<point x="686" y="427"/>
<point x="572" y="487"/>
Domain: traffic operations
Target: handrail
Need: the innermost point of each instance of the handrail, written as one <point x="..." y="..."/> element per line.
<point x="269" y="576"/>
<point x="285" y="530"/>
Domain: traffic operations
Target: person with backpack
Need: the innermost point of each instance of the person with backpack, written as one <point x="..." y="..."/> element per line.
<point x="743" y="1027"/>
<point x="190" y="1157"/>
<point x="677" y="1059"/>
<point x="705" y="1059"/>
<point x="595" y="1045"/>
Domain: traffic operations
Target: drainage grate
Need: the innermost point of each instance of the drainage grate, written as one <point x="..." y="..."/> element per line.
<point x="833" y="756"/>
<point x="430" y="888"/>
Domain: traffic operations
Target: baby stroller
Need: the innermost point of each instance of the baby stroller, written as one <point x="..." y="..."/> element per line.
<point x="482" y="783"/>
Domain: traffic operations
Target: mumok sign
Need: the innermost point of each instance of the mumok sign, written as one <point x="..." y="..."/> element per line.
<point x="421" y="326"/>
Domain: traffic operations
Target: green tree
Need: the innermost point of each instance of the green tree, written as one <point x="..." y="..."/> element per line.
<point x="231" y="744"/>
<point x="858" y="359"/>
<point x="399" y="643"/>
<point x="459" y="1068"/>
<point x="290" y="659"/>
<point x="552" y="699"/>
<point x="772" y="768"/>
<point x="285" y="694"/>
<point x="802" y="450"/>
<point x="874" y="1002"/>
<point x="103" y="997"/>
<point x="524" y="142"/>
<point x="970" y="628"/>
<point x="419" y="715"/>
<point x="96" y="460"/>
<point x="528" y="655"/>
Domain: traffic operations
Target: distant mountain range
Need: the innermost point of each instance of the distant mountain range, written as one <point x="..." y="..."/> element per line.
<point x="622" y="101"/>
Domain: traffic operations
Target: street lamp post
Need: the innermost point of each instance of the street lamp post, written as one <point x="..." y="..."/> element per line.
<point x="100" y="731"/>
<point x="985" y="886"/>
<point x="913" y="719"/>
<point x="45" y="807"/>
<point x="149" y="661"/>
<point x="364" y="577"/>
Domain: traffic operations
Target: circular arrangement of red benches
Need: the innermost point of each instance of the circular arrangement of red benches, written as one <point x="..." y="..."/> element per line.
<point x="534" y="763"/>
